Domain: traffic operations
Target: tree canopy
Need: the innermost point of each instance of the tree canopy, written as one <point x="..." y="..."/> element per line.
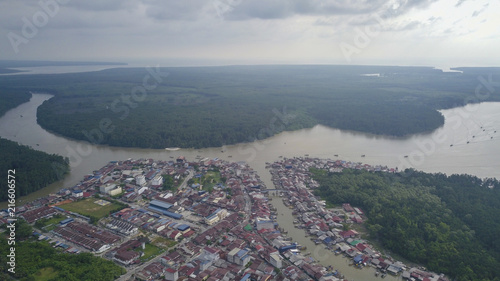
<point x="216" y="106"/>
<point x="33" y="169"/>
<point x="448" y="223"/>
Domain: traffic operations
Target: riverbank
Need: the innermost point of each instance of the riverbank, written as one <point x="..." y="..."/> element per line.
<point x="331" y="229"/>
<point x="477" y="158"/>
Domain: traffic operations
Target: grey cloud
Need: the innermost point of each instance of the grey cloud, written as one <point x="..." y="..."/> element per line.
<point x="279" y="9"/>
<point x="401" y="7"/>
<point x="99" y="5"/>
<point x="362" y="10"/>
<point x="175" y="10"/>
<point x="404" y="26"/>
<point x="478" y="12"/>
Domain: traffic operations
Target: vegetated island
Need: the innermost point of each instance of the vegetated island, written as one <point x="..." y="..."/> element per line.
<point x="34" y="169"/>
<point x="448" y="223"/>
<point x="8" y="66"/>
<point x="215" y="106"/>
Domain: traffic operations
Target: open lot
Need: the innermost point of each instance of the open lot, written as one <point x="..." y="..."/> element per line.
<point x="150" y="252"/>
<point x="88" y="207"/>
<point x="49" y="224"/>
<point x="163" y="243"/>
<point x="46" y="273"/>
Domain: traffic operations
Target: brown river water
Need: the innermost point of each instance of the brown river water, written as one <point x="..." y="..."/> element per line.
<point x="467" y="143"/>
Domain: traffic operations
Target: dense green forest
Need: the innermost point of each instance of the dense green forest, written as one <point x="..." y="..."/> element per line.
<point x="214" y="106"/>
<point x="41" y="260"/>
<point x="33" y="169"/>
<point x="449" y="223"/>
<point x="10" y="98"/>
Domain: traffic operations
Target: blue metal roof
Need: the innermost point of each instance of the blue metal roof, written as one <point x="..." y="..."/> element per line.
<point x="242" y="253"/>
<point x="160" y="204"/>
<point x="246" y="277"/>
<point x="183" y="227"/>
<point x="172" y="215"/>
<point x="66" y="221"/>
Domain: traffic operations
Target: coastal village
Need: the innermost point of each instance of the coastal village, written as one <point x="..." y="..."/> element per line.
<point x="208" y="219"/>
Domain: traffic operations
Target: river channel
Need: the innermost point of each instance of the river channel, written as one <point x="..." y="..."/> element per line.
<point x="467" y="143"/>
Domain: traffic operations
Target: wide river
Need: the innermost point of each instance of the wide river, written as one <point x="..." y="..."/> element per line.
<point x="467" y="143"/>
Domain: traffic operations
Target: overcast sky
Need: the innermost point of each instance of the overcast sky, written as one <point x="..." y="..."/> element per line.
<point x="215" y="32"/>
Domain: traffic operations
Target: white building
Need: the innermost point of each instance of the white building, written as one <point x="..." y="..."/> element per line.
<point x="216" y="216"/>
<point x="106" y="188"/>
<point x="158" y="180"/>
<point x="142" y="190"/>
<point x="171" y="274"/>
<point x="140" y="180"/>
<point x="275" y="259"/>
<point x="115" y="191"/>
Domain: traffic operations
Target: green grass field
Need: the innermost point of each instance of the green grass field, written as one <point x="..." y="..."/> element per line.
<point x="208" y="180"/>
<point x="87" y="207"/>
<point x="150" y="252"/>
<point x="47" y="273"/>
<point x="164" y="243"/>
<point x="50" y="224"/>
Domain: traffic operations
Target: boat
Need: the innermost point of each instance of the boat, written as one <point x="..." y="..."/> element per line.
<point x="172" y="148"/>
<point x="363" y="155"/>
<point x="406" y="156"/>
<point x="336" y="155"/>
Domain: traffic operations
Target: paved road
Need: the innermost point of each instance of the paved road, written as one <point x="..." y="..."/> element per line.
<point x="188" y="177"/>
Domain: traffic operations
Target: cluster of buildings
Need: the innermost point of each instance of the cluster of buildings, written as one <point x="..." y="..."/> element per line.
<point x="222" y="233"/>
<point x="228" y="231"/>
<point x="327" y="226"/>
<point x="89" y="237"/>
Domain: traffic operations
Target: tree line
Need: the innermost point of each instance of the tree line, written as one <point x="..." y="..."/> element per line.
<point x="33" y="258"/>
<point x="215" y="106"/>
<point x="33" y="169"/>
<point x="448" y="223"/>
